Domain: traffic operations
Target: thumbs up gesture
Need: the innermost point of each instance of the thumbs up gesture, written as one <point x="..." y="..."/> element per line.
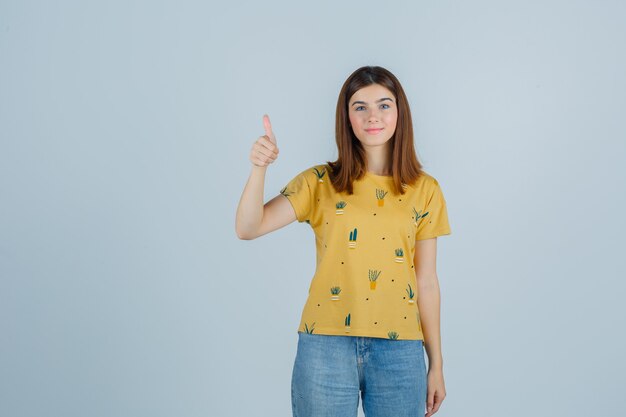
<point x="264" y="150"/>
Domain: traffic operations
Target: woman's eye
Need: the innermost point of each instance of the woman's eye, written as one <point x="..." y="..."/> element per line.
<point x="362" y="107"/>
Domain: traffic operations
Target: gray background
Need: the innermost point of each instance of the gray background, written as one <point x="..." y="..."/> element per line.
<point x="125" y="134"/>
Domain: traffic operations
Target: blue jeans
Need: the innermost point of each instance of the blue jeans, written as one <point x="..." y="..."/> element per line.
<point x="329" y="371"/>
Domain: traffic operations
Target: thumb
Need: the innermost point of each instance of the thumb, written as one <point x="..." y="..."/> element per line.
<point x="268" y="128"/>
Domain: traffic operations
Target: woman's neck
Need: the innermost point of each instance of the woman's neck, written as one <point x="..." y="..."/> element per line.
<point x="377" y="159"/>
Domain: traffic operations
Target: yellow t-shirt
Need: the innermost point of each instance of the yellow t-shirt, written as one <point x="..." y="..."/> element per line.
<point x="364" y="283"/>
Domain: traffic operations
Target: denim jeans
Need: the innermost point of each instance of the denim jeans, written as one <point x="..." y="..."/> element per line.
<point x="330" y="371"/>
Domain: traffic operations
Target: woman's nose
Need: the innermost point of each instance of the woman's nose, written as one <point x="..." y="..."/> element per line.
<point x="373" y="114"/>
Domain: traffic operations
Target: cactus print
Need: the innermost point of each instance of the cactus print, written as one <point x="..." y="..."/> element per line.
<point x="374" y="280"/>
<point x="380" y="196"/>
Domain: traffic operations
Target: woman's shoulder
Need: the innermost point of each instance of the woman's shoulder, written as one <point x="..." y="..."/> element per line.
<point x="317" y="171"/>
<point x="321" y="167"/>
<point x="425" y="180"/>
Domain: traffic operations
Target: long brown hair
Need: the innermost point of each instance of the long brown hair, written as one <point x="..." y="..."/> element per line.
<point x="351" y="163"/>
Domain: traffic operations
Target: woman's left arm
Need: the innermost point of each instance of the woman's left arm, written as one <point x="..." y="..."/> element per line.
<point x="428" y="301"/>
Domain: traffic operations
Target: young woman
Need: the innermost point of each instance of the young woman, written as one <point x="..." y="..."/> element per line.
<point x="373" y="303"/>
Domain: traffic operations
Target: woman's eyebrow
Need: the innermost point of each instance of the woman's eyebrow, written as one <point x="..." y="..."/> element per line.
<point x="377" y="101"/>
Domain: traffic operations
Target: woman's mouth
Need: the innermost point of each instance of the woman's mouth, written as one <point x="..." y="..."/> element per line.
<point x="373" y="131"/>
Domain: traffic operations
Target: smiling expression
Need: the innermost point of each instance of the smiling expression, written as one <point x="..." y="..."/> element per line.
<point x="373" y="114"/>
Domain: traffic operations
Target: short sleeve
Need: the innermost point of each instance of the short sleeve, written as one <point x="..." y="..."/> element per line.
<point x="433" y="221"/>
<point x="300" y="193"/>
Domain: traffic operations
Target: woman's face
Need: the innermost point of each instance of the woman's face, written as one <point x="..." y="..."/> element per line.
<point x="373" y="114"/>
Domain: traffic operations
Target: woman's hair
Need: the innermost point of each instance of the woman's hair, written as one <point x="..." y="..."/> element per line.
<point x="351" y="163"/>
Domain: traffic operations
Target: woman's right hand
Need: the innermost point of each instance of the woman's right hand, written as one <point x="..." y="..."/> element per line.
<point x="264" y="150"/>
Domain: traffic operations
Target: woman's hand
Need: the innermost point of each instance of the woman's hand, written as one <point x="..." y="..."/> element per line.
<point x="436" y="391"/>
<point x="264" y="151"/>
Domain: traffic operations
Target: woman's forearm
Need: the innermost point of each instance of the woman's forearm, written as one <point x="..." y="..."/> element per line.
<point x="250" y="209"/>
<point x="428" y="301"/>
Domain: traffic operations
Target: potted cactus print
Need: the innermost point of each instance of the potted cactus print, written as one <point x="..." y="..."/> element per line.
<point x="320" y="174"/>
<point x="335" y="293"/>
<point x="399" y="255"/>
<point x="380" y="195"/>
<point x="340" y="206"/>
<point x="417" y="216"/>
<point x="347" y="323"/>
<point x="307" y="329"/>
<point x="411" y="295"/>
<point x="352" y="242"/>
<point x="373" y="275"/>
<point x="393" y="335"/>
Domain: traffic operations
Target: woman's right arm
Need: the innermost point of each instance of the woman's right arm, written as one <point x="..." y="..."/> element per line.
<point x="254" y="218"/>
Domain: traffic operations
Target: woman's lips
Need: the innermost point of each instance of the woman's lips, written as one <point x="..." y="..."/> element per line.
<point x="373" y="131"/>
